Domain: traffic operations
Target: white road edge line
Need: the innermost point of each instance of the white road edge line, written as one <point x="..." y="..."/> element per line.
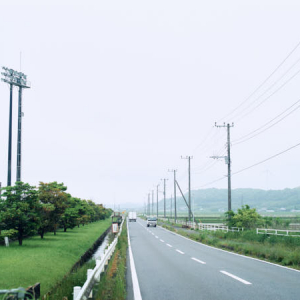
<point x="235" y="277"/>
<point x="199" y="261"/>
<point x="162" y="241"/>
<point x="135" y="283"/>
<point x="169" y="245"/>
<point x="262" y="261"/>
<point x="179" y="251"/>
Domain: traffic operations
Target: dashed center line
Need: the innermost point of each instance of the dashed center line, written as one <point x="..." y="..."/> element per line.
<point x="235" y="277"/>
<point x="169" y="245"/>
<point x="199" y="261"/>
<point x="179" y="251"/>
<point x="156" y="236"/>
<point x="162" y="241"/>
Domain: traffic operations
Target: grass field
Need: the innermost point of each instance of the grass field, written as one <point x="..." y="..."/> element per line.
<point x="48" y="260"/>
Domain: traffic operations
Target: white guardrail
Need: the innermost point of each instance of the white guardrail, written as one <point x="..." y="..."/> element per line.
<point x="93" y="275"/>
<point x="282" y="232"/>
<point x="205" y="226"/>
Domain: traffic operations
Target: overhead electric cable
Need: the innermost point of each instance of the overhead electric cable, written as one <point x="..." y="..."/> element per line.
<point x="244" y="138"/>
<point x="275" y="70"/>
<point x="267" y="98"/>
<point x="254" y="165"/>
<point x="269" y="158"/>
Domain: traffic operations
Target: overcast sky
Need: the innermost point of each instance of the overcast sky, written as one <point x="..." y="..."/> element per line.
<point x="120" y="90"/>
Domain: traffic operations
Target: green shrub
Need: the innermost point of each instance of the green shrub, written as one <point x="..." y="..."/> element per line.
<point x="11" y="234"/>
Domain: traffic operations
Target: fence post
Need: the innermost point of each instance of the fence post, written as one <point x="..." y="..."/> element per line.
<point x="89" y="273"/>
<point x="76" y="291"/>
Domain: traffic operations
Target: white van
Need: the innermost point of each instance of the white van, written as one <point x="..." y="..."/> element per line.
<point x="132" y="216"/>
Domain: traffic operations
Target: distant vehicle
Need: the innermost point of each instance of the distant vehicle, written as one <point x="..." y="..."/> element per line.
<point x="132" y="216"/>
<point x="151" y="221"/>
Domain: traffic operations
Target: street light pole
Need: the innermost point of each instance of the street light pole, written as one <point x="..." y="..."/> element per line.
<point x="14" y="78"/>
<point x="9" y="136"/>
<point x="19" y="143"/>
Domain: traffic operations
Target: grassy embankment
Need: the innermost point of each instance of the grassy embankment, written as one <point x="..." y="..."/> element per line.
<point x="278" y="249"/>
<point x="112" y="285"/>
<point x="46" y="260"/>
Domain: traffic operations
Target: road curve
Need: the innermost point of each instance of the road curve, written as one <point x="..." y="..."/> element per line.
<point x="169" y="266"/>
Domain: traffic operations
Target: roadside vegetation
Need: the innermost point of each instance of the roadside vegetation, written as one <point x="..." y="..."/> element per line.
<point x="112" y="285"/>
<point x="283" y="250"/>
<point x="46" y="260"/>
<point x="54" y="229"/>
<point x="26" y="210"/>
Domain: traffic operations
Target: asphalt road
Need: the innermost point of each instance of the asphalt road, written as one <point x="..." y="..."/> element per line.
<point x="169" y="266"/>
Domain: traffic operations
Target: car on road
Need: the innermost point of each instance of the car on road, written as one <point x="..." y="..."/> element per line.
<point x="151" y="221"/>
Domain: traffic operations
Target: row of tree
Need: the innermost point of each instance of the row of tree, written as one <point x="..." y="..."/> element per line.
<point x="29" y="210"/>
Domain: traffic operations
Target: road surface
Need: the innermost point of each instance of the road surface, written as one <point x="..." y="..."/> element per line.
<point x="169" y="266"/>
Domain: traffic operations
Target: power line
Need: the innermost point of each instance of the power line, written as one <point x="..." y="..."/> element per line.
<point x="244" y="138"/>
<point x="269" y="158"/>
<point x="268" y="97"/>
<point x="254" y="165"/>
<point x="275" y="70"/>
<point x="270" y="87"/>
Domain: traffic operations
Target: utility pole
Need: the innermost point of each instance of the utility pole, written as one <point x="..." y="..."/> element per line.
<point x="152" y="201"/>
<point x="227" y="160"/>
<point x="175" y="207"/>
<point x="171" y="205"/>
<point x="157" y="200"/>
<point x="164" y="179"/>
<point x="148" y="208"/>
<point x="189" y="160"/>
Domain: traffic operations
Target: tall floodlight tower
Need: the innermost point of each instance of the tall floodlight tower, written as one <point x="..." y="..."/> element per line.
<point x="14" y="78"/>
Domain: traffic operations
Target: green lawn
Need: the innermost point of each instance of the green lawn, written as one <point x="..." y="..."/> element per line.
<point x="48" y="260"/>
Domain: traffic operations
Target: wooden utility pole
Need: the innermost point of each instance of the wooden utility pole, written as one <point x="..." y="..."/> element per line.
<point x="227" y="160"/>
<point x="164" y="179"/>
<point x="189" y="160"/>
<point x="175" y="207"/>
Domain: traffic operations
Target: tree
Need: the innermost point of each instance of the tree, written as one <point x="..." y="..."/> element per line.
<point x="70" y="217"/>
<point x="45" y="211"/>
<point x="246" y="217"/>
<point x="19" y="208"/>
<point x="54" y="193"/>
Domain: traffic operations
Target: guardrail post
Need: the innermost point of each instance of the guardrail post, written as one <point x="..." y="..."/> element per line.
<point x="76" y="291"/>
<point x="89" y="273"/>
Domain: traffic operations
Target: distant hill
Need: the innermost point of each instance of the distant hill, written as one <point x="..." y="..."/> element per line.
<point x="215" y="200"/>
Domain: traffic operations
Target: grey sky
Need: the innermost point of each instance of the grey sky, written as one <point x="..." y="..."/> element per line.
<point x="121" y="89"/>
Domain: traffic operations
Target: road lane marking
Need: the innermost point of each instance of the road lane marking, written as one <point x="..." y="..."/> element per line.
<point x="152" y="233"/>
<point x="162" y="241"/>
<point x="169" y="245"/>
<point x="235" y="277"/>
<point x="156" y="236"/>
<point x="135" y="282"/>
<point x="179" y="251"/>
<point x="199" y="261"/>
<point x="228" y="252"/>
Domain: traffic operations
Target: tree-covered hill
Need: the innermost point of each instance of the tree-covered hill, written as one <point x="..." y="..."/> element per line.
<point x="215" y="200"/>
